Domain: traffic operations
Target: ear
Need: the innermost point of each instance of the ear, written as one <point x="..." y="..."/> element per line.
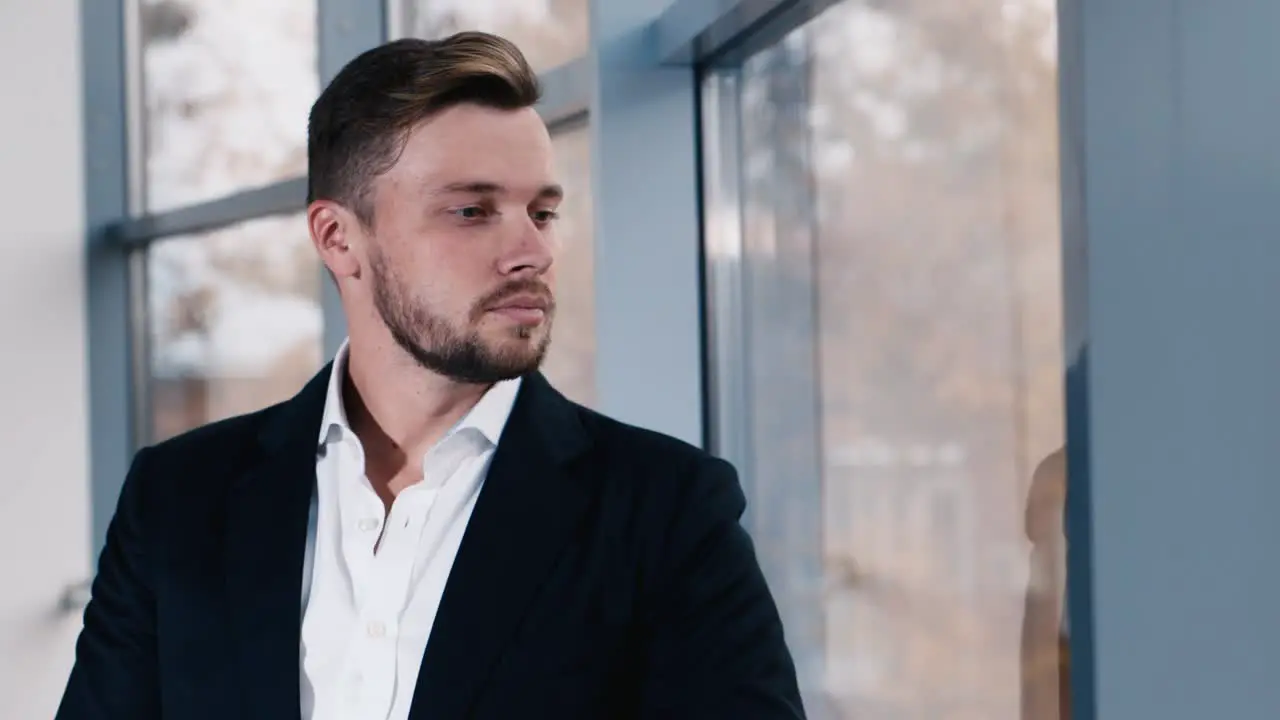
<point x="333" y="229"/>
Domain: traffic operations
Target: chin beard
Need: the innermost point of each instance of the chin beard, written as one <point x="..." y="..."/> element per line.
<point x="452" y="352"/>
<point x="468" y="359"/>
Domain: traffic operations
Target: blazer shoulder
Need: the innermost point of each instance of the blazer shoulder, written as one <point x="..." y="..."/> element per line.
<point x="173" y="487"/>
<point x="641" y="448"/>
<point x="208" y="447"/>
<point x="662" y="474"/>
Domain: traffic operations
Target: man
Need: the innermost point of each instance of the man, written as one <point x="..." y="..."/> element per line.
<point x="428" y="530"/>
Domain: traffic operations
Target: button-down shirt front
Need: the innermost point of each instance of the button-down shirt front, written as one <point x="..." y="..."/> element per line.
<point x="375" y="577"/>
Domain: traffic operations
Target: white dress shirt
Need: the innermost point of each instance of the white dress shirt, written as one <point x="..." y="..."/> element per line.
<point x="367" y="615"/>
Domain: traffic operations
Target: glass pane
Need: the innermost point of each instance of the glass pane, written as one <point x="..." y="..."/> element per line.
<point x="893" y="232"/>
<point x="549" y="32"/>
<point x="228" y="86"/>
<point x="234" y="320"/>
<point x="571" y="362"/>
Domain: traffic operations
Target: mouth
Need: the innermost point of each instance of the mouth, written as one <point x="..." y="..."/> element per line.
<point x="523" y="309"/>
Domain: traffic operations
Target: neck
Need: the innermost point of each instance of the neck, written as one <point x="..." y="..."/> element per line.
<point x="396" y="406"/>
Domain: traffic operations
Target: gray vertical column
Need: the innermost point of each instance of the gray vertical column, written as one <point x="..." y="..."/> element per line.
<point x="346" y="29"/>
<point x="110" y="361"/>
<point x="1172" y="179"/>
<point x="649" y="352"/>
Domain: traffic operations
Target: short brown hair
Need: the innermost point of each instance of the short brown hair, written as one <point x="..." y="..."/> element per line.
<point x="360" y="123"/>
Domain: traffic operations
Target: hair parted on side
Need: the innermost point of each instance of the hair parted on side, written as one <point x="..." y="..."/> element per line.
<point x="360" y="123"/>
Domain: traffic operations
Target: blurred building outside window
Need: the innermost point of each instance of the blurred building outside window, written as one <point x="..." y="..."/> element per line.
<point x="896" y="205"/>
<point x="548" y="32"/>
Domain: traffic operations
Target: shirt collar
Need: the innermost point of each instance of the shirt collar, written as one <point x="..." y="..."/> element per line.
<point x="488" y="417"/>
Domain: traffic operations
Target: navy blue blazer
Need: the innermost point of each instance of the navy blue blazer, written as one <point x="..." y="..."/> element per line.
<point x="604" y="574"/>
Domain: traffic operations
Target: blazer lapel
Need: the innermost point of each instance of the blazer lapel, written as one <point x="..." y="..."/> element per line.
<point x="266" y="537"/>
<point x="527" y="509"/>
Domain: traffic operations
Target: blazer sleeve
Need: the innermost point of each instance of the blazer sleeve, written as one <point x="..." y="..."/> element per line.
<point x="115" y="675"/>
<point x="716" y="647"/>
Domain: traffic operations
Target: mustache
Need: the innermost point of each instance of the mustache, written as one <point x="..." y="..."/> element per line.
<point x="518" y="288"/>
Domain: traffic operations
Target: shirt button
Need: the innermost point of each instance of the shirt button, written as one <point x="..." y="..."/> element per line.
<point x="368" y="524"/>
<point x="376" y="629"/>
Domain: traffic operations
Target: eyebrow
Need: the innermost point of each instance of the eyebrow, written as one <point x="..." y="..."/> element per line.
<point x="546" y="192"/>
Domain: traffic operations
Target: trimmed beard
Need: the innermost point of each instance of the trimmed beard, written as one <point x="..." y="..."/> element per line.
<point x="441" y="347"/>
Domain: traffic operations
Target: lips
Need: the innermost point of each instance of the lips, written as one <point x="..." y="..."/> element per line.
<point x="523" y="309"/>
<point x="523" y="302"/>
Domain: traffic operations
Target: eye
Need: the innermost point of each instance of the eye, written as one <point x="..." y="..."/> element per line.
<point x="471" y="212"/>
<point x="543" y="217"/>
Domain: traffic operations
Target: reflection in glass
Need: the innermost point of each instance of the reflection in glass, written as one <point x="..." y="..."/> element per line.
<point x="234" y="321"/>
<point x="228" y="85"/>
<point x="570" y="362"/>
<point x="884" y="247"/>
<point x="548" y="32"/>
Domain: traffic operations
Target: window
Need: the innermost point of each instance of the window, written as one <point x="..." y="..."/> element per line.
<point x="235" y="322"/>
<point x="228" y="85"/>
<point x="549" y="32"/>
<point x="883" y="251"/>
<point x="570" y="362"/>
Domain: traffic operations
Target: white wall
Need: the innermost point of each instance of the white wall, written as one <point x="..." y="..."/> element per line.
<point x="44" y="536"/>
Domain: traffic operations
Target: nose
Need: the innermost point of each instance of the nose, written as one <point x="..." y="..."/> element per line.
<point x="531" y="249"/>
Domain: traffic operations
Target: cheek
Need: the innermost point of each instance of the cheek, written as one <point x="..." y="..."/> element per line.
<point x="445" y="269"/>
<point x="445" y="292"/>
<point x="422" y="266"/>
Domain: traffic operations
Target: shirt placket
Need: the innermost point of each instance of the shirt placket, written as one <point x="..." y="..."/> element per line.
<point x="370" y="671"/>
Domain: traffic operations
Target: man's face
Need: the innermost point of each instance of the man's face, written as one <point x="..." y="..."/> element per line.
<point x="459" y="258"/>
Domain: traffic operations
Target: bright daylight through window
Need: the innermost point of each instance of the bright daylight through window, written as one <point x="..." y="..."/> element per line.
<point x="891" y="215"/>
<point x="549" y="32"/>
<point x="234" y="316"/>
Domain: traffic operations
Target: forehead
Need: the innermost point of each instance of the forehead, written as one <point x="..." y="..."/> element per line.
<point x="473" y="143"/>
